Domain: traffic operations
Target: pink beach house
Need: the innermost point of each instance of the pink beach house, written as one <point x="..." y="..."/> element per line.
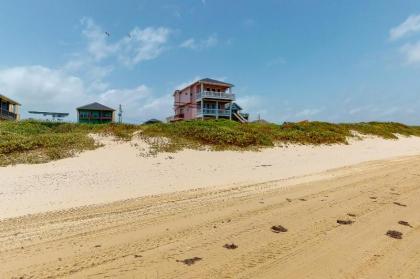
<point x="207" y="99"/>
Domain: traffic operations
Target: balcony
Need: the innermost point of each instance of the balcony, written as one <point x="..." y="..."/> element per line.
<point x="7" y="115"/>
<point x="215" y="95"/>
<point x="213" y="112"/>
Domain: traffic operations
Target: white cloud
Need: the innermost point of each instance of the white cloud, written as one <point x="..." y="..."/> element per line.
<point x="411" y="52"/>
<point x="139" y="103"/>
<point x="42" y="88"/>
<point x="83" y="79"/>
<point x="45" y="89"/>
<point x="137" y="46"/>
<point x="143" y="44"/>
<point x="409" y="26"/>
<point x="192" y="43"/>
<point x="98" y="45"/>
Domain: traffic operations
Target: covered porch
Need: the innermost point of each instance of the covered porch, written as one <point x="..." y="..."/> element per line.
<point x="214" y="109"/>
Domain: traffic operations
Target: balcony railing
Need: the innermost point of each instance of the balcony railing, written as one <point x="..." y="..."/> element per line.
<point x="5" y="114"/>
<point x="215" y="95"/>
<point x="213" y="112"/>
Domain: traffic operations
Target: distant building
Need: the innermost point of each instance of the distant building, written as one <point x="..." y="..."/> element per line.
<point x="206" y="99"/>
<point x="152" y="121"/>
<point x="95" y="113"/>
<point x="9" y="109"/>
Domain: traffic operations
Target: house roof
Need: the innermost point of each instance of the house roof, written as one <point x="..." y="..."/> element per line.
<point x="213" y="81"/>
<point x="95" y="106"/>
<point x="152" y="121"/>
<point x="207" y="81"/>
<point x="235" y="106"/>
<point x="9" y="100"/>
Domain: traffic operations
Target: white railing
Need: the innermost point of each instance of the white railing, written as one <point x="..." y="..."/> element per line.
<point x="215" y="95"/>
<point x="214" y="112"/>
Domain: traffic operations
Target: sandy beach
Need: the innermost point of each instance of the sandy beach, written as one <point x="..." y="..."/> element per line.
<point x="157" y="236"/>
<point x="119" y="171"/>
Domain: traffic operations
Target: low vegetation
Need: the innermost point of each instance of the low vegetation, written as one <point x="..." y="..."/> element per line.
<point x="222" y="134"/>
<point x="37" y="142"/>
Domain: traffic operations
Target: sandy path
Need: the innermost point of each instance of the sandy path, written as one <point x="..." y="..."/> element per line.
<point x="117" y="172"/>
<point x="144" y="238"/>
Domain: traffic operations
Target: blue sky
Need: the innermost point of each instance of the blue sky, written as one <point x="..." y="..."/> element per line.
<point x="335" y="61"/>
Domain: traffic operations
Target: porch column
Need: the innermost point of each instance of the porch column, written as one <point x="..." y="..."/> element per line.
<point x="230" y="111"/>
<point x="217" y="109"/>
<point x="202" y="106"/>
<point x="202" y="112"/>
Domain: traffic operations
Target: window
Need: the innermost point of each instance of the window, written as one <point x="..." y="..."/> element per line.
<point x="84" y="114"/>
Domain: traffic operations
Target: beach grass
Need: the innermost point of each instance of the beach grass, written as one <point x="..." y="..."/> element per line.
<point x="37" y="142"/>
<point x="223" y="134"/>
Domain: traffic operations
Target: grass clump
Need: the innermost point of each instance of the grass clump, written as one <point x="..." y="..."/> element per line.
<point x="38" y="142"/>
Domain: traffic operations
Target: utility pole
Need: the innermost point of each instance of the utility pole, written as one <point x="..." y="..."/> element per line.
<point x="120" y="112"/>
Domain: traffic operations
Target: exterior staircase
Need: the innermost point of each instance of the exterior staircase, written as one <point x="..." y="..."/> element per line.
<point x="240" y="117"/>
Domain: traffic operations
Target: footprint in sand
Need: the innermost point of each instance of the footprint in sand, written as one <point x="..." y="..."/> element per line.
<point x="405" y="223"/>
<point x="394" y="234"/>
<point x="278" y="229"/>
<point x="189" y="261"/>
<point x="231" y="246"/>
<point x="345" y="222"/>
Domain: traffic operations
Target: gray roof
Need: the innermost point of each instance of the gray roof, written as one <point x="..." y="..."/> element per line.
<point x="208" y="81"/>
<point x="213" y="81"/>
<point x="95" y="106"/>
<point x="235" y="106"/>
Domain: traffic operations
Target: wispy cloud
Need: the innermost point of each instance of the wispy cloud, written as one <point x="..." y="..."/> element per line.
<point x="137" y="46"/>
<point x="194" y="44"/>
<point x="409" y="26"/>
<point x="411" y="52"/>
<point x="276" y="61"/>
<point x="143" y="44"/>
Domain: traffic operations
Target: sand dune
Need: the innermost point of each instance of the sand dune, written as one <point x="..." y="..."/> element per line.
<point x="117" y="171"/>
<point x="151" y="237"/>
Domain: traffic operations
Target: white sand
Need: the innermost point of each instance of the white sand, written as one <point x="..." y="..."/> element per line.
<point x="117" y="172"/>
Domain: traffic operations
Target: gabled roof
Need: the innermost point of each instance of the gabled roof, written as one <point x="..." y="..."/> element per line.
<point x="213" y="81"/>
<point x="9" y="100"/>
<point x="95" y="106"/>
<point x="206" y="81"/>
